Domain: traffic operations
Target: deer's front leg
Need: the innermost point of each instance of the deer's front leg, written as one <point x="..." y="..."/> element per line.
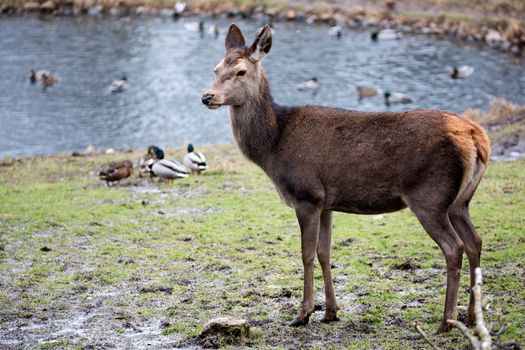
<point x="309" y="217"/>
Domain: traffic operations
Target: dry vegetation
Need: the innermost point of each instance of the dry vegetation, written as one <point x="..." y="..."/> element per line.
<point x="498" y="23"/>
<point x="505" y="122"/>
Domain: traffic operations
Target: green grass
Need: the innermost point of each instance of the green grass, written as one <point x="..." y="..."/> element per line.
<point x="224" y="244"/>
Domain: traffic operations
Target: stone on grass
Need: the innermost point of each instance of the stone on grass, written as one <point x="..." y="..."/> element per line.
<point x="229" y="329"/>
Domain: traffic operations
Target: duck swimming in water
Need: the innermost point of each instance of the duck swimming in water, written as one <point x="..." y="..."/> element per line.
<point x="385" y="34"/>
<point x="461" y="72"/>
<point x="48" y="80"/>
<point x="312" y="84"/>
<point x="35" y="76"/>
<point x="336" y="31"/>
<point x="396" y="97"/>
<point x="119" y="85"/>
<point x="364" y="91"/>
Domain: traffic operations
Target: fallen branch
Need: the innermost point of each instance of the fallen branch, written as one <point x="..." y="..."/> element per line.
<point x="424" y="335"/>
<point x="479" y="337"/>
<point x="467" y="333"/>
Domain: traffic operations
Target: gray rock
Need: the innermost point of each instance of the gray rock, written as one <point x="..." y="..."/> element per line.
<point x="231" y="330"/>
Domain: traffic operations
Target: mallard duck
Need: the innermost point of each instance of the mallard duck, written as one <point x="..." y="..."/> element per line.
<point x="385" y="34"/>
<point x="214" y="30"/>
<point x="115" y="171"/>
<point x="35" y="76"/>
<point x="364" y="91"/>
<point x="195" y="161"/>
<point x="461" y="72"/>
<point x="195" y="26"/>
<point x="119" y="85"/>
<point x="49" y="80"/>
<point x="32" y="76"/>
<point x="396" y="97"/>
<point x="336" y="31"/>
<point x="153" y="152"/>
<point x="311" y="84"/>
<point x="167" y="169"/>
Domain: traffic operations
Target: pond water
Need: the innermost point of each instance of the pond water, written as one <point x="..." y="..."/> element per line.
<point x="169" y="67"/>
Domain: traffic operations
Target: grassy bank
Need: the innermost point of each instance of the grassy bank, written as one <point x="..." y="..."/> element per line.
<point x="146" y="264"/>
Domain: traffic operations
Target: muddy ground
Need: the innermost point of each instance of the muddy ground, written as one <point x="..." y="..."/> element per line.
<point x="144" y="265"/>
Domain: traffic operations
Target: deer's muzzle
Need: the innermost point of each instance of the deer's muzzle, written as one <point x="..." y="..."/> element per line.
<point x="206" y="99"/>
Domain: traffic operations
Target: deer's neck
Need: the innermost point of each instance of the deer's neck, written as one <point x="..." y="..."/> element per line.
<point x="257" y="124"/>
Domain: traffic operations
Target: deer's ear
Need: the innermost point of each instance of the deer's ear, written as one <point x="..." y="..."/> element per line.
<point x="234" y="39"/>
<point x="262" y="44"/>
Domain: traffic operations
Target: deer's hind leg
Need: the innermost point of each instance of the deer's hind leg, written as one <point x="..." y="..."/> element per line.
<point x="324" y="247"/>
<point x="435" y="220"/>
<point x="460" y="218"/>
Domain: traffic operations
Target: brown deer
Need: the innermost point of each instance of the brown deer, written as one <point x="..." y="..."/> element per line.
<point x="329" y="159"/>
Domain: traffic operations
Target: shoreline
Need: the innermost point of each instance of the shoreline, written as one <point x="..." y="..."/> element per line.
<point x="498" y="32"/>
<point x="503" y="120"/>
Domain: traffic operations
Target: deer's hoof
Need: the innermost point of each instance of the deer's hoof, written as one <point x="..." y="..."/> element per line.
<point x="298" y="322"/>
<point x="330" y="315"/>
<point x="443" y="327"/>
<point x="331" y="319"/>
<point x="471" y="320"/>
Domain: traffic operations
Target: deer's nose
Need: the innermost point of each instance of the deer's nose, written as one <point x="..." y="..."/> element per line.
<point x="207" y="98"/>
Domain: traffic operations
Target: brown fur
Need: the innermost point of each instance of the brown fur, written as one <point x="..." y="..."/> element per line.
<point x="474" y="145"/>
<point x="465" y="130"/>
<point x="328" y="159"/>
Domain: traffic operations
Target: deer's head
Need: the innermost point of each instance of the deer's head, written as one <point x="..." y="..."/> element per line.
<point x="237" y="75"/>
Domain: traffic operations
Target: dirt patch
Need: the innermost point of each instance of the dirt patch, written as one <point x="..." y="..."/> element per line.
<point x="157" y="289"/>
<point x="120" y="275"/>
<point x="407" y="265"/>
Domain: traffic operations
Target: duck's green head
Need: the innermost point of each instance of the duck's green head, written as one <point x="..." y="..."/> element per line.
<point x="387" y="95"/>
<point x="159" y="153"/>
<point x="190" y="148"/>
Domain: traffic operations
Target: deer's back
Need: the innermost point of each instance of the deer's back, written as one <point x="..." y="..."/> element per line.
<point x="366" y="162"/>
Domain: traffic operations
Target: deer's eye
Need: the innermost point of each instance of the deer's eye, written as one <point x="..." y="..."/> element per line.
<point x="241" y="73"/>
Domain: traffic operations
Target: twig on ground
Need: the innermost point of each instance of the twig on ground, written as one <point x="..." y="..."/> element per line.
<point x="424" y="335"/>
<point x="467" y="333"/>
<point x="480" y="336"/>
<point x="481" y="329"/>
<point x="502" y="328"/>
